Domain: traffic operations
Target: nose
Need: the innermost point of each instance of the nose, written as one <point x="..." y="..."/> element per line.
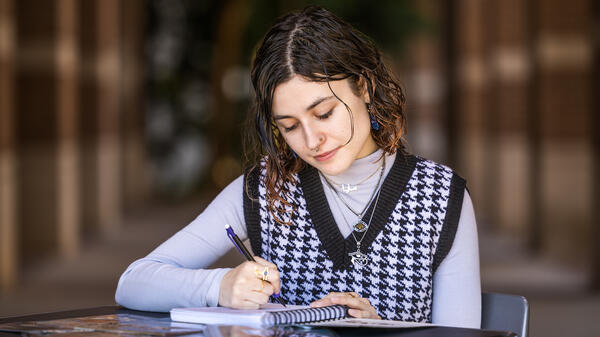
<point x="314" y="137"/>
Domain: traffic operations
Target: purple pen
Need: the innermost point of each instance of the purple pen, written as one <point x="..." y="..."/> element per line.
<point x="231" y="235"/>
<point x="244" y="251"/>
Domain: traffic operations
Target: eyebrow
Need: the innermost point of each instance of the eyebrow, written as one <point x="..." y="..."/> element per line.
<point x="309" y="107"/>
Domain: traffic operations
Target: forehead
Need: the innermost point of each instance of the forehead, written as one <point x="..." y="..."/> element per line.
<point x="295" y="95"/>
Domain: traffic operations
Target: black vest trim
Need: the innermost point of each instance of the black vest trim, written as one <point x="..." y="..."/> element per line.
<point x="335" y="245"/>
<point x="457" y="191"/>
<point x="252" y="209"/>
<point x="321" y="216"/>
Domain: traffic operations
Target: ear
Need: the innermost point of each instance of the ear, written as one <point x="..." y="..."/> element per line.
<point x="362" y="85"/>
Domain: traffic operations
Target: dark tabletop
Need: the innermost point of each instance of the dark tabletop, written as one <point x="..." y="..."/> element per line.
<point x="233" y="331"/>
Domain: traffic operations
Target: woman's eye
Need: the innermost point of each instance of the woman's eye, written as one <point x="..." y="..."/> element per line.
<point x="290" y="128"/>
<point x="325" y="115"/>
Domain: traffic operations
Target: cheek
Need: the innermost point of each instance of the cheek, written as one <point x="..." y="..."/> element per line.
<point x="362" y="122"/>
<point x="292" y="142"/>
<point x="340" y="126"/>
<point x="340" y="132"/>
<point x="343" y="126"/>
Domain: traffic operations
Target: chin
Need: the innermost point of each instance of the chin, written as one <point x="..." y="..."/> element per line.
<point x="330" y="169"/>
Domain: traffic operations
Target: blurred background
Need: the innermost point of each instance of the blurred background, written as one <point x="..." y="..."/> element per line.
<point x="121" y="120"/>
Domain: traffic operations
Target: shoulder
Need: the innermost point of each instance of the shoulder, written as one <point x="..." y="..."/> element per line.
<point x="230" y="195"/>
<point x="430" y="169"/>
<point x="431" y="165"/>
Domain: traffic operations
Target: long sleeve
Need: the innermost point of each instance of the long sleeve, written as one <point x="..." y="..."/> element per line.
<point x="174" y="274"/>
<point x="456" y="283"/>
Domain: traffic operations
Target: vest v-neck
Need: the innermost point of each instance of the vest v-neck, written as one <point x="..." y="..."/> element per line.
<point x="327" y="230"/>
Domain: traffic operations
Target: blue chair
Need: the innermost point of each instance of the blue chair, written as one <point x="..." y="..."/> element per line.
<point x="505" y="312"/>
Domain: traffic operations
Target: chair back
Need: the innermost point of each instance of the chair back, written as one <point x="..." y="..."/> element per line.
<point x="505" y="312"/>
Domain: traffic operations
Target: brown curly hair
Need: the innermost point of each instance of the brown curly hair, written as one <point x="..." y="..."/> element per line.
<point x="317" y="45"/>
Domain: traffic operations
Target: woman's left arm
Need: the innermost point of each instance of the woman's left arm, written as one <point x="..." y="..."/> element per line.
<point x="456" y="283"/>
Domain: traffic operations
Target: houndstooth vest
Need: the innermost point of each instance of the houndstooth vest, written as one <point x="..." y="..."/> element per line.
<point x="411" y="233"/>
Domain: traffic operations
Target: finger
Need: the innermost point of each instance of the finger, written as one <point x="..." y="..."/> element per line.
<point x="370" y="313"/>
<point x="325" y="301"/>
<point x="272" y="274"/>
<point x="255" y="270"/>
<point x="352" y="302"/>
<point x="256" y="297"/>
<point x="246" y="305"/>
<point x="265" y="287"/>
<point x="264" y="262"/>
<point x="240" y="301"/>
<point x="365" y="300"/>
<point x="275" y="279"/>
<point x="258" y="285"/>
<point x="252" y="270"/>
<point x="358" y="313"/>
<point x="331" y="294"/>
<point x="354" y="294"/>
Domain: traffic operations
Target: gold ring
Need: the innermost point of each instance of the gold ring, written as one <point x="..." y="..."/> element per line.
<point x="265" y="274"/>
<point x="353" y="295"/>
<point x="262" y="285"/>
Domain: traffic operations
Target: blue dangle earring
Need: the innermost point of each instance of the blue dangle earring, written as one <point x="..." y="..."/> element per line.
<point x="374" y="122"/>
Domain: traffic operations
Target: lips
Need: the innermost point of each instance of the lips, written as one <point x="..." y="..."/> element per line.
<point x="327" y="155"/>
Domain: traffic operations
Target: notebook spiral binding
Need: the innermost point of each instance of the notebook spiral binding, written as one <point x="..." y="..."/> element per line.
<point x="309" y="315"/>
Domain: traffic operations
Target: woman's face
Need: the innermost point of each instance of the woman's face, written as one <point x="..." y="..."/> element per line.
<point x="317" y="126"/>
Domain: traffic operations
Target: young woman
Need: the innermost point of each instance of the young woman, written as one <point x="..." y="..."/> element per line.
<point x="335" y="209"/>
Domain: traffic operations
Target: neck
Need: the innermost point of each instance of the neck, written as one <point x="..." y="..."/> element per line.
<point x="359" y="169"/>
<point x="369" y="147"/>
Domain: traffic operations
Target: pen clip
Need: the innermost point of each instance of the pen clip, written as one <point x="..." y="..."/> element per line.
<point x="231" y="235"/>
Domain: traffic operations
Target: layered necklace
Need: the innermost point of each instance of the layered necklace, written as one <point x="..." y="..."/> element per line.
<point x="349" y="188"/>
<point x="358" y="258"/>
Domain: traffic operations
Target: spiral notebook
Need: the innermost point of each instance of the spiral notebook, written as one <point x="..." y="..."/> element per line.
<point x="269" y="315"/>
<point x="275" y="314"/>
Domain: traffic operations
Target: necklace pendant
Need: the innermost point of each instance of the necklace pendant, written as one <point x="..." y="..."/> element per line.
<point x="359" y="259"/>
<point x="347" y="188"/>
<point x="360" y="226"/>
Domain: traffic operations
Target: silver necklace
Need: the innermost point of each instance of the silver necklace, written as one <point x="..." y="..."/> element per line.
<point x="360" y="226"/>
<point x="348" y="188"/>
<point x="359" y="259"/>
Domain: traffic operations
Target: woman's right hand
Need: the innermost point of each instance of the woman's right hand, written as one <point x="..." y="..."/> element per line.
<point x="243" y="287"/>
